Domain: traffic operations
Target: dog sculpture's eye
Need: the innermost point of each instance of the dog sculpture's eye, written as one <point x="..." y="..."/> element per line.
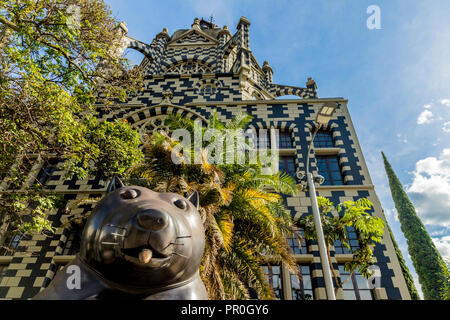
<point x="180" y="204"/>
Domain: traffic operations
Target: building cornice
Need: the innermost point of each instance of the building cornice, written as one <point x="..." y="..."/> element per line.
<point x="278" y="101"/>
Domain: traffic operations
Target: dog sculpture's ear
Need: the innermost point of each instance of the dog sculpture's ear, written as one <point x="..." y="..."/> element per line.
<point x="115" y="184"/>
<point x="194" y="199"/>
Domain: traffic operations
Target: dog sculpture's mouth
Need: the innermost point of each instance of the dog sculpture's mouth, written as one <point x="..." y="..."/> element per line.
<point x="145" y="254"/>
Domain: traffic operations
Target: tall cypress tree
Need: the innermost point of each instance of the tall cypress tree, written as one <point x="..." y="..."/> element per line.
<point x="426" y="259"/>
<point x="405" y="271"/>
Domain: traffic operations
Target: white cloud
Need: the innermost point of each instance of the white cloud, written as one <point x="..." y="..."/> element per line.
<point x="446" y="127"/>
<point x="427" y="106"/>
<point x="425" y="117"/>
<point x="443" y="245"/>
<point x="402" y="138"/>
<point x="391" y="213"/>
<point x="438" y="233"/>
<point x="430" y="189"/>
<point x="446" y="102"/>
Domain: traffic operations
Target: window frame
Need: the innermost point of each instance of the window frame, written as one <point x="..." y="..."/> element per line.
<point x="44" y="176"/>
<point x="353" y="247"/>
<point x="295" y="243"/>
<point x="269" y="279"/>
<point x="329" y="171"/>
<point x="323" y="143"/>
<point x="287" y="142"/>
<point x="354" y="281"/>
<point x="301" y="282"/>
<point x="285" y="159"/>
<point x="207" y="93"/>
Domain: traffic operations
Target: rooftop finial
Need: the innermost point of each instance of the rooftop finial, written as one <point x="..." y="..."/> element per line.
<point x="196" y="22"/>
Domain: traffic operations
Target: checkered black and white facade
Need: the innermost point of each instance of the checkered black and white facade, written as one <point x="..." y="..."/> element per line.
<point x="195" y="72"/>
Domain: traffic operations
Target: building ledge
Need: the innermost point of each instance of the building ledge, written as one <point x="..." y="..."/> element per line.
<point x="62" y="260"/>
<point x="347" y="187"/>
<point x="278" y="101"/>
<point x="5" y="260"/>
<point x="303" y="257"/>
<point x="343" y="257"/>
<point x="326" y="151"/>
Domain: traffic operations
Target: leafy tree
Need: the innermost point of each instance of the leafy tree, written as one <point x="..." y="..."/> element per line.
<point x="336" y="221"/>
<point x="57" y="59"/>
<point x="245" y="223"/>
<point x="446" y="287"/>
<point x="113" y="147"/>
<point x="427" y="261"/>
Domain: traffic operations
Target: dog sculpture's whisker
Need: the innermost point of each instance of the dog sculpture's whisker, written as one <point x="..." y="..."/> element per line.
<point x="112" y="243"/>
<point x="184" y="237"/>
<point x="111" y="225"/>
<point x="179" y="254"/>
<point x="173" y="244"/>
<point x="118" y="234"/>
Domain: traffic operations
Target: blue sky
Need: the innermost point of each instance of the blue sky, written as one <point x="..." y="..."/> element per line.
<point x="397" y="79"/>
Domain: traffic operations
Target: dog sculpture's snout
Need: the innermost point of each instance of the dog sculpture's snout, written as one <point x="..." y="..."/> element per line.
<point x="153" y="220"/>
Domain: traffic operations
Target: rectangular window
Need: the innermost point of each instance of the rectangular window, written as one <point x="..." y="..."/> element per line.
<point x="296" y="245"/>
<point x="356" y="287"/>
<point x="329" y="168"/>
<point x="263" y="139"/>
<point x="47" y="170"/>
<point x="353" y="242"/>
<point x="323" y="139"/>
<point x="274" y="279"/>
<point x="12" y="245"/>
<point x="303" y="289"/>
<point x="287" y="164"/>
<point x="285" y="140"/>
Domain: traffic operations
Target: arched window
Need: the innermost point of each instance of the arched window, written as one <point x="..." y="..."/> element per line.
<point x="152" y="125"/>
<point x="323" y="139"/>
<point x="208" y="90"/>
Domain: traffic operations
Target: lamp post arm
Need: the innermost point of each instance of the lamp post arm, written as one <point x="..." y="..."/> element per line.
<point x="318" y="126"/>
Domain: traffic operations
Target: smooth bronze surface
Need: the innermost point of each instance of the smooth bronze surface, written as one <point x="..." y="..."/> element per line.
<point x="137" y="244"/>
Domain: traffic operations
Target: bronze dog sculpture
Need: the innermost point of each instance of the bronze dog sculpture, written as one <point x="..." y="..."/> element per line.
<point x="137" y="244"/>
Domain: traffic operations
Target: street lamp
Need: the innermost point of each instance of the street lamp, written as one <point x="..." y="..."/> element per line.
<point x="323" y="117"/>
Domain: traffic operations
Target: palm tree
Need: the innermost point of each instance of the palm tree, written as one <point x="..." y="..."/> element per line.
<point x="246" y="223"/>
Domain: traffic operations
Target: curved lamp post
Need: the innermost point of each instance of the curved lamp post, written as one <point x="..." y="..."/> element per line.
<point x="323" y="117"/>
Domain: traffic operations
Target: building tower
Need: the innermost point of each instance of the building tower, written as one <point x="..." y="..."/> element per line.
<point x="195" y="72"/>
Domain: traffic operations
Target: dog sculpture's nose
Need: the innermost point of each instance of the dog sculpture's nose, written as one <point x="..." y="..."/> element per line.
<point x="153" y="220"/>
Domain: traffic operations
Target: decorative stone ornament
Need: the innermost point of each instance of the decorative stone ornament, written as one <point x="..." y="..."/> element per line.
<point x="137" y="244"/>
